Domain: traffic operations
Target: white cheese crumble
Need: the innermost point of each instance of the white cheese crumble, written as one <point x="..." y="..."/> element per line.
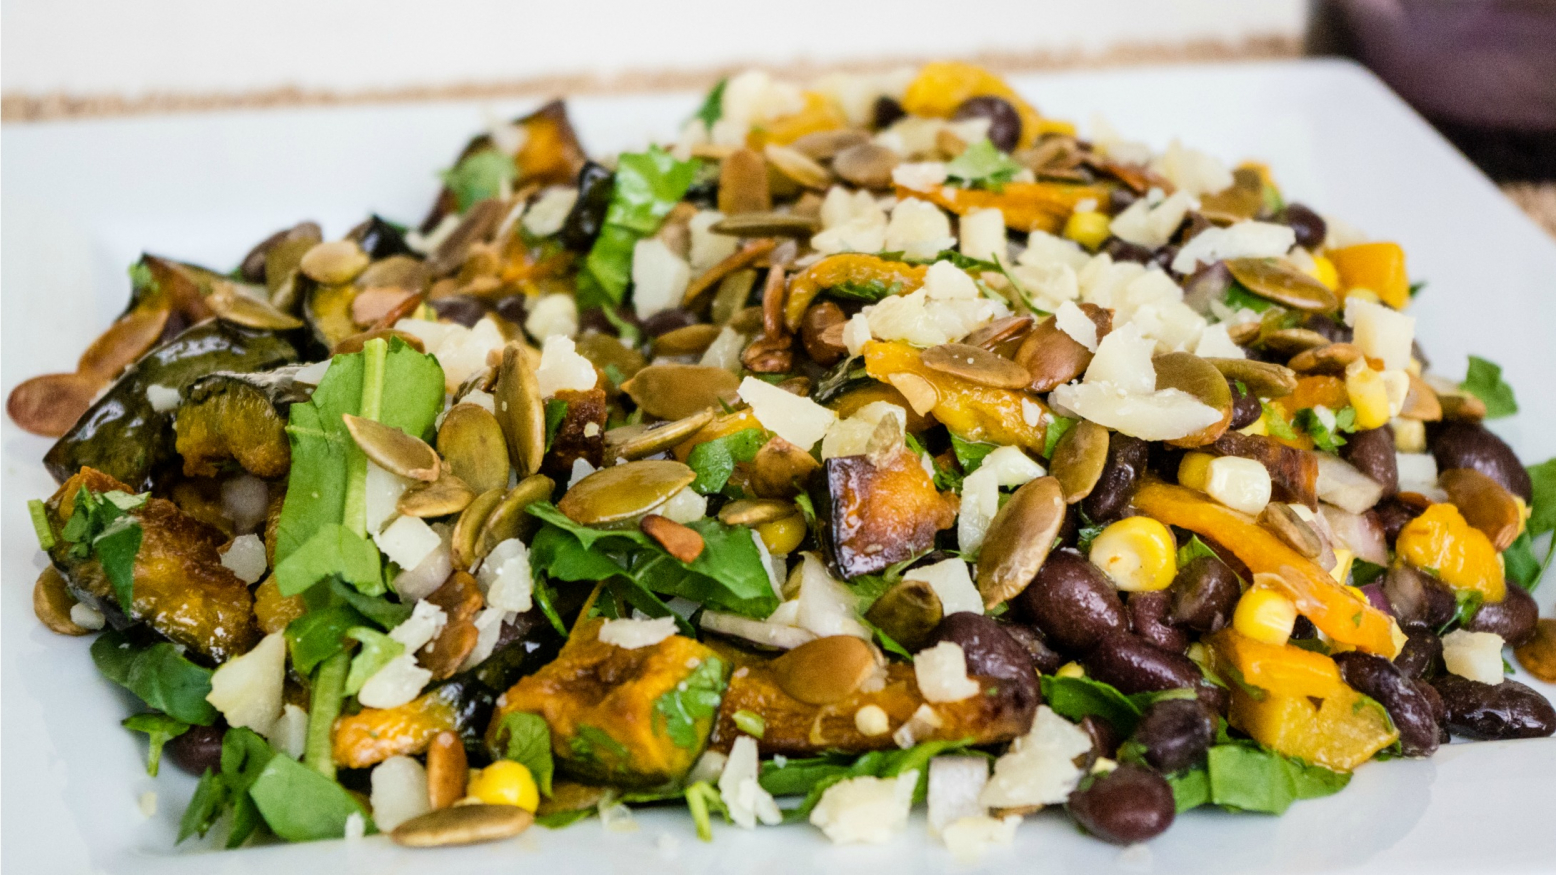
<point x="147" y="803"/>
<point x="865" y="809"/>
<point x="1164" y="415"/>
<point x="407" y="541"/>
<point x="743" y="796"/>
<point x="1474" y="655"/>
<point x="163" y="399"/>
<point x="1381" y="332"/>
<point x="1040" y="767"/>
<point x="825" y="605"/>
<point x="686" y="506"/>
<point x="851" y="436"/>
<point x="561" y="367"/>
<point x="87" y="617"/>
<point x="382" y="496"/>
<point x="1072" y="320"/>
<point x="921" y="175"/>
<point x="800" y="421"/>
<point x="968" y="837"/>
<point x="952" y="584"/>
<point x="399" y="792"/>
<point x="983" y="235"/>
<point x="247" y="689"/>
<point x="504" y="576"/>
<point x="289" y="735"/>
<point x="955" y="782"/>
<point x="398" y="682"/>
<point x="632" y="634"/>
<point x="1247" y="239"/>
<point x="980" y="501"/>
<point x="425" y="623"/>
<point x="245" y="557"/>
<point x="1417" y="472"/>
<point x="872" y="720"/>
<point x="426" y="577"/>
<point x="1151" y="224"/>
<point x="552" y="314"/>
<point x="1191" y="171"/>
<point x="549" y="211"/>
<point x="1123" y="360"/>
<point x="941" y="672"/>
<point x="463" y="354"/>
<point x="919" y="229"/>
<point x="708" y="248"/>
<point x="355" y="827"/>
<point x="659" y="277"/>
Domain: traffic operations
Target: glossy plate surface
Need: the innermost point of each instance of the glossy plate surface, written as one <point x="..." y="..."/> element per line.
<point x="82" y="200"/>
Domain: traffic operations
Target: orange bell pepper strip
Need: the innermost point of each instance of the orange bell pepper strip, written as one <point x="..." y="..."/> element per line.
<point x="970" y="411"/>
<point x="848" y="267"/>
<point x="1464" y="557"/>
<point x="1334" y="610"/>
<point x="1027" y="206"/>
<point x="819" y="114"/>
<point x="1376" y="266"/>
<point x="1280" y="669"/>
<point x="1340" y="733"/>
<point x="942" y="86"/>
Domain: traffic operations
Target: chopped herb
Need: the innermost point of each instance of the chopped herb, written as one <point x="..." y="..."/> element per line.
<point x="970" y="454"/>
<point x="378" y="650"/>
<point x="1484" y="381"/>
<point x="301" y="805"/>
<point x="1246" y="777"/>
<point x="701" y="800"/>
<point x="161" y="729"/>
<point x="1276" y="424"/>
<point x="1467" y="602"/>
<point x="101" y="524"/>
<point x="40" y="524"/>
<point x="1325" y="428"/>
<point x="158" y="674"/>
<point x="1239" y="298"/>
<point x="750" y="722"/>
<point x="526" y="739"/>
<point x="1522" y="566"/>
<point x="1364" y="572"/>
<point x="712" y="108"/>
<point x="1194" y="549"/>
<point x="1078" y="698"/>
<point x="647" y="186"/>
<point x="981" y="165"/>
<point x="1542" y="515"/>
<point x="556" y="412"/>
<point x="1416" y="287"/>
<point x="868" y="291"/>
<point x="479" y="176"/>
<point x="693" y="700"/>
<point x="715" y="460"/>
<point x="887" y="643"/>
<point x="811" y="776"/>
<point x="1056" y="429"/>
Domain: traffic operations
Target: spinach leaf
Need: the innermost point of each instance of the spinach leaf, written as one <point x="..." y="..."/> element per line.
<point x="970" y="454"/>
<point x="1190" y="789"/>
<point x="526" y="739"/>
<point x="712" y="108"/>
<point x="811" y="776"/>
<point x="101" y="524"/>
<point x="1078" y="698"/>
<point x="158" y="674"/>
<point x="1521" y="565"/>
<point x="1364" y="572"/>
<point x="1194" y="549"/>
<point x="333" y="550"/>
<point x="319" y="634"/>
<point x="1056" y="429"/>
<point x="479" y="176"/>
<point x="211" y="799"/>
<point x="715" y="460"/>
<point x="377" y="651"/>
<point x="161" y="729"/>
<point x="1245" y="777"/>
<point x="693" y="699"/>
<point x="556" y="412"/>
<point x="244" y="755"/>
<point x="1542" y="516"/>
<point x="301" y="805"/>
<point x="1484" y="381"/>
<point x="647" y="186"/>
<point x="981" y="165"/>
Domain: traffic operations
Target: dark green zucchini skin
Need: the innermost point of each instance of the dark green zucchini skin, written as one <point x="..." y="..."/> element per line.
<point x="124" y="437"/>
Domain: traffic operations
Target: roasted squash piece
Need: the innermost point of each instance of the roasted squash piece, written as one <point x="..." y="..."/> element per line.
<point x="1026" y="206"/>
<point x="636" y="717"/>
<point x="971" y="411"/>
<point x="376" y="734"/>
<point x="181" y="587"/>
<point x="550" y="155"/>
<point x="1001" y="711"/>
<point x="237" y="417"/>
<point x="575" y="438"/>
<point x="875" y="515"/>
<point x="1341" y="732"/>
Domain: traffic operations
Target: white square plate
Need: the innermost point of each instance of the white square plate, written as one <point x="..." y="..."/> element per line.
<point x="83" y="199"/>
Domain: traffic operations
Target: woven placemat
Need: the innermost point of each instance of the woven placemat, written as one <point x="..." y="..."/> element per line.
<point x="1538" y="200"/>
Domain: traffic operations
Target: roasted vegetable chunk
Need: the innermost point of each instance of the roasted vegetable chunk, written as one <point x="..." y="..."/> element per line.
<point x="1000" y="711"/>
<point x="376" y="734"/>
<point x="237" y="417"/>
<point x="580" y="433"/>
<point x="972" y="411"/>
<point x="181" y="587"/>
<point x="637" y="717"/>
<point x="880" y="514"/>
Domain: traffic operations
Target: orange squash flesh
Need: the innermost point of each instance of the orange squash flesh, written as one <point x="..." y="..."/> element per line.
<point x="971" y="411"/>
<point x="1027" y="206"/>
<point x="1280" y="669"/>
<point x="1464" y="557"/>
<point x="1341" y="733"/>
<point x="1376" y="266"/>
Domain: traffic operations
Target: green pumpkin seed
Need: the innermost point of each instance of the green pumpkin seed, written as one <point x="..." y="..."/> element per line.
<point x="1264" y="379"/>
<point x="679" y="391"/>
<point x="520" y="410"/>
<point x="472" y="445"/>
<point x="1019" y="539"/>
<point x="1199" y="378"/>
<point x="908" y="612"/>
<point x="1079" y="457"/>
<point x="467" y="530"/>
<point x="394" y="450"/>
<point x="1278" y="280"/>
<point x="334" y="263"/>
<point x="508" y="518"/>
<point x="462" y="825"/>
<point x="641" y="441"/>
<point x="239" y="308"/>
<point x="625" y="492"/>
<point x="767" y="225"/>
<point x="444" y="496"/>
<point x="755" y="511"/>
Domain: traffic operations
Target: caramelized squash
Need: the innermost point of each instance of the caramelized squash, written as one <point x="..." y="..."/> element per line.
<point x="971" y="411"/>
<point x="376" y="734"/>
<point x="875" y="515"/>
<point x="574" y="438"/>
<point x="235" y="417"/>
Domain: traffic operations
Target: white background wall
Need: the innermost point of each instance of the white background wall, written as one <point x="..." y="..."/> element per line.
<point x="130" y="47"/>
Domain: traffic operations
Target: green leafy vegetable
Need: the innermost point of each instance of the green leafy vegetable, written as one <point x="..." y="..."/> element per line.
<point x="701" y="800"/>
<point x="1326" y="433"/>
<point x="102" y="525"/>
<point x="301" y="805"/>
<point x="693" y="699"/>
<point x="244" y="756"/>
<point x="319" y="634"/>
<point x="867" y="291"/>
<point x="1276" y="424"/>
<point x="981" y="165"/>
<point x="712" y="108"/>
<point x="1244" y="777"/>
<point x="161" y="729"/>
<point x="715" y="460"/>
<point x="40" y="524"/>
<point x="647" y="185"/>
<point x="158" y="674"/>
<point x="1078" y="698"/>
<point x="970" y="454"/>
<point x="333" y="550"/>
<point x="526" y="739"/>
<point x="1484" y="381"/>
<point x="1467" y="602"/>
<point x="377" y="651"/>
<point x="811" y="776"/>
<point x="556" y="411"/>
<point x="1056" y="429"/>
<point x="1239" y="298"/>
<point x="1194" y="549"/>
<point x="1190" y="789"/>
<point x="479" y="176"/>
<point x="1542" y="516"/>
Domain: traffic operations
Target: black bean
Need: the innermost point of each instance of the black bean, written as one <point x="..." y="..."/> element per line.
<point x="1422" y="655"/>
<point x="1123" y="250"/>
<point x="1334" y="332"/>
<point x="1127" y="805"/>
<point x="1303" y="629"/>
<point x="1393" y="515"/>
<point x="989" y="649"/>
<point x="1148" y="617"/>
<point x="1308" y="225"/>
<point x="1246" y="408"/>
<point x="1044" y="658"/>
<point x="1127" y="459"/>
<point x="1419" y="600"/>
<point x="1372" y="453"/>
<point x="1204" y="593"/>
<point x="1514" y="617"/>
<point x="1104" y="737"/>
<point x="669" y="320"/>
<point x="1435" y="700"/>
<point x="513" y="308"/>
<point x="596" y="184"/>
<point x="1470" y="445"/>
<point x="1120" y="199"/>
<point x="1135" y="665"/>
<point x="1072" y="603"/>
<point x="1506" y="710"/>
<point x="1218" y="699"/>
<point x="466" y="310"/>
<point x="379" y="239"/>
<point x="887" y="112"/>
<point x="1004" y="121"/>
<point x="1411" y="711"/>
<point x="1175" y="734"/>
<point x="197" y="749"/>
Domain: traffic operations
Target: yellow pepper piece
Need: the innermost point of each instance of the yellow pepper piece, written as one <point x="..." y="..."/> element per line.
<point x="1027" y="206"/>
<point x="1340" y="734"/>
<point x="1464" y="557"/>
<point x="942" y="86"/>
<point x="1279" y="669"/>
<point x="506" y="782"/>
<point x="1376" y="266"/>
<point x="1324" y="271"/>
<point x="1090" y="229"/>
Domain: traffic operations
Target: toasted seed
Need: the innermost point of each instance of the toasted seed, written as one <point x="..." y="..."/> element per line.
<point x="640" y="441"/>
<point x="1052" y="357"/>
<point x="1293" y="340"/>
<point x="52" y="602"/>
<point x="396" y="271"/>
<point x="475" y="226"/>
<point x="921" y="395"/>
<point x="1019" y="538"/>
<point x="999" y="331"/>
<point x="743" y="184"/>
<point x="822" y="145"/>
<point x="1485" y="503"/>
<point x="976" y="365"/>
<point x="606" y="352"/>
<point x="730" y="300"/>
<point x="678" y="391"/>
<point x="729" y="271"/>
<point x="908" y="612"/>
<point x="1264" y="379"/>
<point x="334" y="263"/>
<point x="355" y="342"/>
<point x="866" y="165"/>
<point x="679" y="541"/>
<point x="781" y="469"/>
<point x="690" y="340"/>
<point x="51" y="404"/>
<point x="467" y="530"/>
<point x="444" y="496"/>
<point x="624" y="492"/>
<point x="462" y="825"/>
<point x="755" y="511"/>
<point x="509" y="518"/>
<point x="1331" y="359"/>
<point x="520" y="410"/>
<point x="798" y="167"/>
<point x="1421" y="402"/>
<point x="239" y="308"/>
<point x="1279" y="281"/>
<point x="473" y="448"/>
<point x="448" y="770"/>
<point x="825" y="670"/>
<point x="1281" y="519"/>
<point x="1461" y="407"/>
<point x="373" y="303"/>
<point x="767" y="224"/>
<point x="125" y="341"/>
<point x="1192" y="374"/>
<point x="1243" y="199"/>
<point x="1538" y="655"/>
<point x="394" y="450"/>
<point x="1244" y="333"/>
<point x="1079" y="457"/>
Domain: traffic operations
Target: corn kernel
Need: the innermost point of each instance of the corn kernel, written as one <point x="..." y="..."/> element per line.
<point x="1241" y="484"/>
<point x="1194" y="470"/>
<point x="782" y="536"/>
<point x="1259" y="426"/>
<point x="1071" y="670"/>
<point x="1137" y="553"/>
<point x="506" y="782"/>
<point x="1089" y="229"/>
<point x="1324" y="271"/>
<point x="1409" y="435"/>
<point x="1343" y="559"/>
<point x="1265" y="615"/>
<point x="1368" y="394"/>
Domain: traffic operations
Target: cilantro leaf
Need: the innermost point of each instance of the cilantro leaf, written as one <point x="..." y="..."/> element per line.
<point x="712" y="108"/>
<point x="970" y="454"/>
<point x="526" y="739"/>
<point x="1276" y="424"/>
<point x="556" y="412"/>
<point x="1056" y="429"/>
<point x="101" y="524"/>
<point x="647" y="186"/>
<point x="1484" y="381"/>
<point x="981" y="165"/>
<point x="695" y="699"/>
<point x="715" y="460"/>
<point x="868" y="291"/>
<point x="479" y="176"/>
<point x="1194" y="549"/>
<point x="1325" y="426"/>
<point x="377" y="651"/>
<point x="161" y="729"/>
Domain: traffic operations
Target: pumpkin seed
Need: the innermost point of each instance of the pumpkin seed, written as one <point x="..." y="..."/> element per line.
<point x="734" y="291"/>
<point x="1199" y="378"/>
<point x="1293" y="340"/>
<point x="866" y="165"/>
<point x="767" y="224"/>
<point x="1421" y="402"/>
<point x="688" y="340"/>
<point x="125" y="341"/>
<point x="797" y="167"/>
<point x="1461" y="407"/>
<point x="508" y="518"/>
<point x="781" y="469"/>
<point x="976" y="365"/>
<point x="334" y="263"/>
<point x="240" y="308"/>
<point x="679" y="541"/>
<point x="51" y="404"/>
<point x="1278" y="280"/>
<point x="444" y="496"/>
<point x="1485" y="503"/>
<point x="1281" y="519"/>
<point x="462" y="825"/>
<point x="1000" y="331"/>
<point x="640" y="441"/>
<point x="476" y="226"/>
<point x="1019" y="538"/>
<point x="1330" y="359"/>
<point x="52" y="601"/>
<point x="755" y="511"/>
<point x="281" y="259"/>
<point x="394" y="450"/>
<point x="822" y="145"/>
<point x="355" y="342"/>
<point x="467" y="529"/>
<point x="1243" y="199"/>
<point x="721" y="274"/>
<point x="743" y="186"/>
<point x="1079" y="457"/>
<point x="677" y="391"/>
<point x="624" y="492"/>
<point x="1244" y="333"/>
<point x="520" y="410"/>
<point x="825" y="670"/>
<point x="1264" y="379"/>
<point x="606" y="352"/>
<point x="396" y="271"/>
<point x="1051" y="357"/>
<point x="1538" y="655"/>
<point x="908" y="612"/>
<point x="472" y="445"/>
<point x="921" y="394"/>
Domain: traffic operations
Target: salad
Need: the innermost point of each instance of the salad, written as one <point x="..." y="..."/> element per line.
<point x="872" y="445"/>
